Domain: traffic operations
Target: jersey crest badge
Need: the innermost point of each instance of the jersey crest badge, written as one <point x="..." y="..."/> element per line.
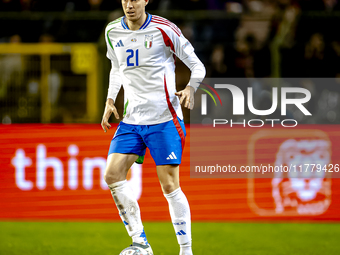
<point x="148" y="41"/>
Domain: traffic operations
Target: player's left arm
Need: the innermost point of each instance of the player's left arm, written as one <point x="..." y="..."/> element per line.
<point x="197" y="75"/>
<point x="185" y="52"/>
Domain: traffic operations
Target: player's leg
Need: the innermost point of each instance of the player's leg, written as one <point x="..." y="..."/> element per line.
<point x="117" y="168"/>
<point x="165" y="142"/>
<point x="168" y="176"/>
<point x="126" y="147"/>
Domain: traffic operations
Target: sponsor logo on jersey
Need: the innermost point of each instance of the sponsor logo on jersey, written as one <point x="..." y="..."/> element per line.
<point x="133" y="40"/>
<point x="120" y="44"/>
<point x="148" y="41"/>
<point x="185" y="45"/>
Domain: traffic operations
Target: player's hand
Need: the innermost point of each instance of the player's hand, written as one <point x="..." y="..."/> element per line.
<point x="187" y="96"/>
<point x="109" y="109"/>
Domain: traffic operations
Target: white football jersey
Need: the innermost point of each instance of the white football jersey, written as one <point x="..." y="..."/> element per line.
<point x="143" y="62"/>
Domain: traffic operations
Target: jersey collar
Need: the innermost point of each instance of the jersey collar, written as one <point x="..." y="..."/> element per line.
<point x="146" y="23"/>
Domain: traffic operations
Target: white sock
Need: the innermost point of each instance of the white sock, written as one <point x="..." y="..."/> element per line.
<point x="129" y="210"/>
<point x="181" y="219"/>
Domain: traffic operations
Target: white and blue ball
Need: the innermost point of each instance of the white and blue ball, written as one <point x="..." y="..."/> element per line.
<point x="133" y="250"/>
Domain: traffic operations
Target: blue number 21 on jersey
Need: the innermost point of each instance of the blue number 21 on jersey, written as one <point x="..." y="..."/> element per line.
<point x="130" y="57"/>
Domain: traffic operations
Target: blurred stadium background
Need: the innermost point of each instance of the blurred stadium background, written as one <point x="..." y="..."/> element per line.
<point x="53" y="84"/>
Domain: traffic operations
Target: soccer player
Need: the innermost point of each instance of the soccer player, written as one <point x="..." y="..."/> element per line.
<point x="141" y="48"/>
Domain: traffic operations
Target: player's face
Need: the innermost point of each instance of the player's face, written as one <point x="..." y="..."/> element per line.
<point x="134" y="9"/>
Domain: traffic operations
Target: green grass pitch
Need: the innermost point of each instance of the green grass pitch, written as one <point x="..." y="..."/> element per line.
<point x="75" y="238"/>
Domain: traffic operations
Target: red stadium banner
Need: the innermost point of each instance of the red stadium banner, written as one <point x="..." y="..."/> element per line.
<point x="55" y="172"/>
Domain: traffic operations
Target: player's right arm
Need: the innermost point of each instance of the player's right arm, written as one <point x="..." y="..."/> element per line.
<point x="114" y="82"/>
<point x="109" y="109"/>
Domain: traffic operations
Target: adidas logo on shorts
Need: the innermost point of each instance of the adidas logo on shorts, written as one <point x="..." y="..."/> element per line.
<point x="171" y="156"/>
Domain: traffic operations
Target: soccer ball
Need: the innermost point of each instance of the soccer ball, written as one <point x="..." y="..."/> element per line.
<point x="134" y="250"/>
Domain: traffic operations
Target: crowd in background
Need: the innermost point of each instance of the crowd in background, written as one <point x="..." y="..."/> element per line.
<point x="237" y="46"/>
<point x="104" y="5"/>
<point x="256" y="38"/>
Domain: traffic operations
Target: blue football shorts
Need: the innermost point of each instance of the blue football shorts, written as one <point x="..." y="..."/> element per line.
<point x="165" y="141"/>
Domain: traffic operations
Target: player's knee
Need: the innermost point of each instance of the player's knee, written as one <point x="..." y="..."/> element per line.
<point x="112" y="177"/>
<point x="168" y="188"/>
